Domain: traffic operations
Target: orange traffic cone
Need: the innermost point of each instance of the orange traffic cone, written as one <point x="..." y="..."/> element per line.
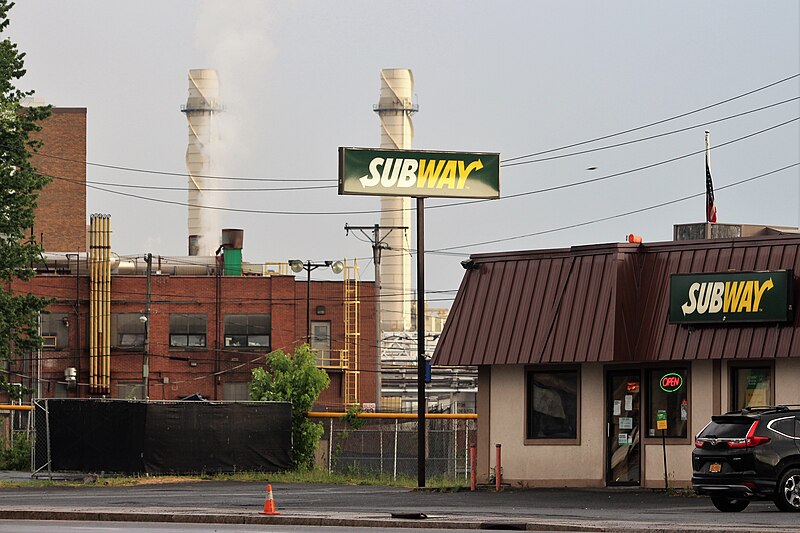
<point x="269" y="503"/>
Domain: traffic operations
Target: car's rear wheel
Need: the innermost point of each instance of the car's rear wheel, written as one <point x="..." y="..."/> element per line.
<point x="787" y="494"/>
<point x="729" y="505"/>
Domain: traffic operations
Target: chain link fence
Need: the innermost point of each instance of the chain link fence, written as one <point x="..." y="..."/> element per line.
<point x="385" y="446"/>
<point x="15" y="434"/>
<point x="388" y="446"/>
<point x="40" y="443"/>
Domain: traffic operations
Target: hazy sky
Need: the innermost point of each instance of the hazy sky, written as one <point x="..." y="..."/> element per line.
<point x="299" y="79"/>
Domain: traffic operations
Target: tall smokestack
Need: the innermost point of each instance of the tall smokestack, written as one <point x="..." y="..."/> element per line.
<point x="395" y="108"/>
<point x="201" y="106"/>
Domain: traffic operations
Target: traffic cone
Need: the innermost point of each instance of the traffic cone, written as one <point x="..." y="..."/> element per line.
<point x="269" y="503"/>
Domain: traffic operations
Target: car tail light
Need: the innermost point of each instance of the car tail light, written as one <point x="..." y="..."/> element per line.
<point x="750" y="440"/>
<point x="698" y="443"/>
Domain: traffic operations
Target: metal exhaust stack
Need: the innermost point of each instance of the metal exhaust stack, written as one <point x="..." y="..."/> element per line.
<point x="100" y="304"/>
<point x="232" y="241"/>
<point x="394" y="108"/>
<point x="201" y="105"/>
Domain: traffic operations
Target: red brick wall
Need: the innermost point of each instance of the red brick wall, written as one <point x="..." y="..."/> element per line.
<point x="191" y="371"/>
<point x="61" y="214"/>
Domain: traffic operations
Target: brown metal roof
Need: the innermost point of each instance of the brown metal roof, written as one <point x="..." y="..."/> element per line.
<point x="607" y="303"/>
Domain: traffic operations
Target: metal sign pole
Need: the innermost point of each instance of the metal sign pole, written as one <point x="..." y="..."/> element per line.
<point x="421" y="403"/>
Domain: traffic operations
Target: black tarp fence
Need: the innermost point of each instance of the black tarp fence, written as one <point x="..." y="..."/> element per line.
<point x="163" y="437"/>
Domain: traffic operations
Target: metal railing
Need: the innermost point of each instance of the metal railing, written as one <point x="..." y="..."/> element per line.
<point x="334" y="359"/>
<point x="276" y="269"/>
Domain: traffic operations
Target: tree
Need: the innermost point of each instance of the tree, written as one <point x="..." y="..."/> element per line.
<point x="19" y="190"/>
<point x="296" y="379"/>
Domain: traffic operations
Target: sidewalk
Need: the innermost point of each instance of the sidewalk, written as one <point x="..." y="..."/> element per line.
<point x="224" y="502"/>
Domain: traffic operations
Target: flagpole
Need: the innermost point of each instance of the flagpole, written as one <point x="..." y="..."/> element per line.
<point x="708" y="166"/>
<point x="711" y="209"/>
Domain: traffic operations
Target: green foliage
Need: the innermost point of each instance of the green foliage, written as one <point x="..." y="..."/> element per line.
<point x="296" y="379"/>
<point x="352" y="419"/>
<point x="17" y="456"/>
<point x="19" y="189"/>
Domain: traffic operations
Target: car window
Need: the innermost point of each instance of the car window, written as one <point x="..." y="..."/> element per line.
<point x="727" y="430"/>
<point x="783" y="426"/>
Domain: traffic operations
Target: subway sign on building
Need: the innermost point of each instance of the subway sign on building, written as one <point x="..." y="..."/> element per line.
<point x="422" y="174"/>
<point x="724" y="297"/>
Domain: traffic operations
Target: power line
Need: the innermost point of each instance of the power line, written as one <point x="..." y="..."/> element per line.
<point x="177" y="174"/>
<point x="651" y="137"/>
<point x="508" y="160"/>
<point x="445" y="250"/>
<point x="214" y="189"/>
<point x="630" y="171"/>
<point x="453" y="204"/>
<point x="573" y="145"/>
<point x="611" y="217"/>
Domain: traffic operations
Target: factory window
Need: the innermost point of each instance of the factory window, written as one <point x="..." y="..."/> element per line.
<point x="127" y="330"/>
<point x="552" y="404"/>
<point x="187" y="331"/>
<point x="236" y="391"/>
<point x="247" y="331"/>
<point x="130" y="391"/>
<point x="55" y="331"/>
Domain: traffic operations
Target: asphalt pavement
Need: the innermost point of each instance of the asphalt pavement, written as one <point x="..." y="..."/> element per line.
<point x="227" y="502"/>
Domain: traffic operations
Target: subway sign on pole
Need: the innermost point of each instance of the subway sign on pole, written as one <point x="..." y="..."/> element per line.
<point x="724" y="297"/>
<point x="422" y="174"/>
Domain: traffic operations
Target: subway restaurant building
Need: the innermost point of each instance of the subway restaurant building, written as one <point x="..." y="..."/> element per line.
<point x="593" y="360"/>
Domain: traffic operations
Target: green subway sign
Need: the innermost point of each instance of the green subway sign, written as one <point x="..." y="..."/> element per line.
<point x="422" y="174"/>
<point x="724" y="297"/>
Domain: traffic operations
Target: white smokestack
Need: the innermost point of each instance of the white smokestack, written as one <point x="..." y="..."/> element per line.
<point x="201" y="106"/>
<point x="395" y="108"/>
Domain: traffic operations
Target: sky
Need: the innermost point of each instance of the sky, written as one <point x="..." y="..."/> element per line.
<point x="299" y="79"/>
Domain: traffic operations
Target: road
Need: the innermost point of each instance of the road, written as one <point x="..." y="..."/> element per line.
<point x="588" y="509"/>
<point x="54" y="526"/>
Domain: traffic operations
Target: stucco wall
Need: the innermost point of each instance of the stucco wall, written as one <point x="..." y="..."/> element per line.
<point x="787" y="381"/>
<point x="584" y="464"/>
<point x="547" y="465"/>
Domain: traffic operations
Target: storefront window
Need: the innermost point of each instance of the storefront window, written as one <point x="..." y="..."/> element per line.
<point x="552" y="404"/>
<point x="752" y="386"/>
<point x="668" y="394"/>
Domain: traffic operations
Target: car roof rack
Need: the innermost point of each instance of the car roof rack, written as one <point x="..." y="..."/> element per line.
<point x="763" y="408"/>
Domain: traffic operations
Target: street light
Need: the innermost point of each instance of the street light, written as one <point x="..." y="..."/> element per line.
<point x="297" y="266"/>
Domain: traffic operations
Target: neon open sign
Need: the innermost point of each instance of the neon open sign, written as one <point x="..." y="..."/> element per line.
<point x="671" y="382"/>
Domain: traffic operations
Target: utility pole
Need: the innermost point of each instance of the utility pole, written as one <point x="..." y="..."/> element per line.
<point x="145" y="363"/>
<point x="377" y="245"/>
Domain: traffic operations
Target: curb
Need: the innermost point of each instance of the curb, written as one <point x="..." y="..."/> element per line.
<point x="288" y="520"/>
<point x="298" y="520"/>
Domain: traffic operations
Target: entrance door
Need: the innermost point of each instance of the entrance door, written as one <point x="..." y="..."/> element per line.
<point x="623" y="464"/>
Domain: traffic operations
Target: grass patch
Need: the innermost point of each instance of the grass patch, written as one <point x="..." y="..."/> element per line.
<point x="320" y="476"/>
<point x="314" y="476"/>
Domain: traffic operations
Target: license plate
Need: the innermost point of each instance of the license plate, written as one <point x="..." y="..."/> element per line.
<point x="715" y="467"/>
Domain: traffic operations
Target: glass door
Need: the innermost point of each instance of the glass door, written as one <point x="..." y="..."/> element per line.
<point x="623" y="463"/>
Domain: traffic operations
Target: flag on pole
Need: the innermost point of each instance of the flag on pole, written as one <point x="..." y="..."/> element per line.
<point x="711" y="208"/>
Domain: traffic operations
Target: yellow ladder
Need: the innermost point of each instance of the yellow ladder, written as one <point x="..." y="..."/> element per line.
<point x="352" y="336"/>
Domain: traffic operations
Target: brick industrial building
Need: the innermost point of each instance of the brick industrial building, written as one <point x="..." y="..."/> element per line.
<point x="61" y="216"/>
<point x="204" y="334"/>
<point x="187" y="328"/>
